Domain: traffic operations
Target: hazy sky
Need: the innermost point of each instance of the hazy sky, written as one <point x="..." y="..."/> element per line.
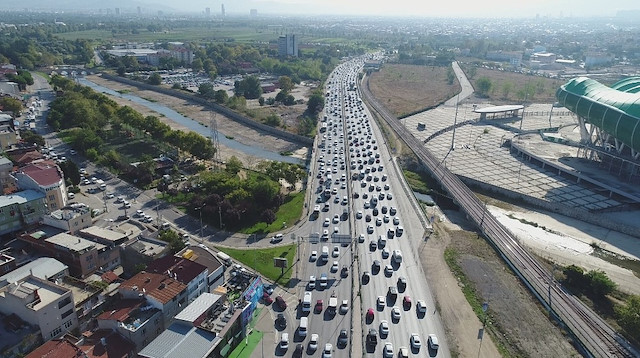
<point x="437" y="8"/>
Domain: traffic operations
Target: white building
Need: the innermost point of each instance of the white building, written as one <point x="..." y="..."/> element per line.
<point x="288" y="45"/>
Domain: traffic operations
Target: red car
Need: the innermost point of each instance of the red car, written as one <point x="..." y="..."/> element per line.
<point x="406" y="302"/>
<point x="281" y="303"/>
<point x="370" y="314"/>
<point x="266" y="298"/>
<point x="319" y="305"/>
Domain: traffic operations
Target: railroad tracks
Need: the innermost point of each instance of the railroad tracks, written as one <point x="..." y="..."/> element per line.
<point x="596" y="337"/>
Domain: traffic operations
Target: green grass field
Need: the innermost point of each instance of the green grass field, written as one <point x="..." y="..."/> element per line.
<point x="289" y="213"/>
<point x="261" y="260"/>
<point x="246" y="347"/>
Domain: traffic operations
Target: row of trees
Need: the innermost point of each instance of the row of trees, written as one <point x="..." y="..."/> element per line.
<point x="29" y="48"/>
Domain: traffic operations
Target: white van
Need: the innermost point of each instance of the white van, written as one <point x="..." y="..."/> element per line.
<point x="302" y="330"/>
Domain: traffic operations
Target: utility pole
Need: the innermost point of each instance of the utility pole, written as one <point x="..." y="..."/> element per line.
<point x="455" y="121"/>
<point x="201" y="231"/>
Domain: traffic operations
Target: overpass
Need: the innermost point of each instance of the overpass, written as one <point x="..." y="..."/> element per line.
<point x="597" y="339"/>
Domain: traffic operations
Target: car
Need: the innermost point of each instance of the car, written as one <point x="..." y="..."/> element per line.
<point x="389" y="196"/>
<point x="433" y="342"/>
<point x="335" y="229"/>
<point x="388" y="270"/>
<point x="361" y="238"/>
<point x="367" y="218"/>
<point x="313" y="342"/>
<point x="387" y="351"/>
<point x="385" y="253"/>
<point x="323" y="280"/>
<point x="402" y="283"/>
<point x="319" y="306"/>
<point x="396" y="220"/>
<point x="375" y="266"/>
<point x="126" y="204"/>
<point x="421" y="307"/>
<point x="395" y="313"/>
<point x="406" y="302"/>
<point x="327" y="222"/>
<point x="325" y="234"/>
<point x="299" y="350"/>
<point x="344" y="307"/>
<point x="378" y="222"/>
<point x="370" y="229"/>
<point x="139" y="213"/>
<point x="266" y="298"/>
<point x="384" y="328"/>
<point x="86" y="182"/>
<point x="359" y="214"/>
<point x="284" y="341"/>
<point x="385" y="219"/>
<point x="366" y="277"/>
<point x="343" y="338"/>
<point x="277" y="238"/>
<point x="336" y="218"/>
<point x="110" y="196"/>
<point x="267" y="288"/>
<point x="403" y="352"/>
<point x="380" y="302"/>
<point x="334" y="266"/>
<point x="370" y="314"/>
<point x="312" y="282"/>
<point x="281" y="321"/>
<point x="392" y="210"/>
<point x="313" y="256"/>
<point x="281" y="303"/>
<point x="415" y="341"/>
<point x="336" y="251"/>
<point x="72" y="152"/>
<point x="326" y="352"/>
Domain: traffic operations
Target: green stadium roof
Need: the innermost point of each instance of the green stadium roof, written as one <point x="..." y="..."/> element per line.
<point x="615" y="109"/>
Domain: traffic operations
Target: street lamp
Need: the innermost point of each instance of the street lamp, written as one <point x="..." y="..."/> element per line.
<point x="200" y="210"/>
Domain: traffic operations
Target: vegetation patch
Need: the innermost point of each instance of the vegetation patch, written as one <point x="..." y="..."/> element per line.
<point x="287" y="215"/>
<point x="261" y="260"/>
<point x="417" y="181"/>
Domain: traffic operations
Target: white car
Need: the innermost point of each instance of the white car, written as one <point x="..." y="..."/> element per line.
<point x="334" y="267"/>
<point x="284" y="341"/>
<point x="415" y="341"/>
<point x="313" y="342"/>
<point x="421" y="306"/>
<point x="433" y="342"/>
<point x="359" y="214"/>
<point x="380" y="301"/>
<point x="336" y="219"/>
<point x="388" y="269"/>
<point x="384" y="327"/>
<point x="314" y="256"/>
<point x="326" y="353"/>
<point x="312" y="282"/>
<point x="336" y="251"/>
<point x="395" y="313"/>
<point x="327" y="222"/>
<point x="388" y="350"/>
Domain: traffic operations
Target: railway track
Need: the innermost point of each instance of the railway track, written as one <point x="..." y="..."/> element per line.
<point x="596" y="337"/>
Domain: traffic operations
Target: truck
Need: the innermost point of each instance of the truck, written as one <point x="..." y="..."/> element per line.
<point x="306" y="302"/>
<point x="333" y="303"/>
<point x="226" y="259"/>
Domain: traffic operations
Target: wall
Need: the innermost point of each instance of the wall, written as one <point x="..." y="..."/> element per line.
<point x="216" y="107"/>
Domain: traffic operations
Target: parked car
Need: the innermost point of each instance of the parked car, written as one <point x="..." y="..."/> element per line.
<point x="281" y="302"/>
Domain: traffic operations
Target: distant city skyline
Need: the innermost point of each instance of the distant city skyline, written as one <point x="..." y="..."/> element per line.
<point x="461" y="8"/>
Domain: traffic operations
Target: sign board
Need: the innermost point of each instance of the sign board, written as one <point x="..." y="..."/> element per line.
<point x="341" y="239"/>
<point x="314" y="238"/>
<point x="280" y="262"/>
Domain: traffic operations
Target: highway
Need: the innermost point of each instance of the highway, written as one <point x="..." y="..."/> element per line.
<point x="597" y="338"/>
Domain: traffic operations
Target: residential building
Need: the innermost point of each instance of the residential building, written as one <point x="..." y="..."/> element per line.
<point x="207" y="258"/>
<point x="47" y="178"/>
<point x="160" y="290"/>
<point x="134" y="319"/>
<point x="7" y="264"/>
<point x="99" y="344"/>
<point x="514" y="58"/>
<point x="45" y="268"/>
<point x="8" y="136"/>
<point x="7" y="183"/>
<point x="104" y="236"/>
<point x="41" y="303"/>
<point x="141" y="251"/>
<point x="288" y="45"/>
<point x="20" y="210"/>
<point x="70" y="218"/>
<point x="182" y="54"/>
<point x="83" y="257"/>
<point x="190" y="273"/>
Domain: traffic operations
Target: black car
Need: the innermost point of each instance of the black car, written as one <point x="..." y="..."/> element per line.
<point x="299" y="350"/>
<point x="281" y="321"/>
<point x="343" y="338"/>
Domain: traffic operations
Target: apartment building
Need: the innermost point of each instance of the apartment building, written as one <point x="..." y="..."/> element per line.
<point x="47" y="178"/>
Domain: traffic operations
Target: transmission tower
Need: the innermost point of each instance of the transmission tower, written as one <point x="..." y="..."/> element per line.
<point x="214" y="137"/>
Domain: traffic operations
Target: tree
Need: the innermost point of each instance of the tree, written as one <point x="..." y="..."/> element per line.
<point x="600" y="284"/>
<point x="315" y="103"/>
<point x="234" y="165"/>
<point x="12" y="105"/>
<point x="155" y="79"/>
<point x="273" y="120"/>
<point x="507" y="87"/>
<point x="471" y="72"/>
<point x="450" y="76"/>
<point x="261" y="101"/>
<point x="197" y="65"/>
<point x="71" y="172"/>
<point x="574" y="275"/>
<point x="629" y="316"/>
<point x="221" y="96"/>
<point x="483" y="86"/>
<point x="289" y="100"/>
<point x="286" y="84"/>
<point x="31" y="137"/>
<point x="268" y="216"/>
<point x="206" y="90"/>
<point x="249" y="87"/>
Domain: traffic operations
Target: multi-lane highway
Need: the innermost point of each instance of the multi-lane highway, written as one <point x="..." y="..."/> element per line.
<point x="597" y="338"/>
<point x="358" y="222"/>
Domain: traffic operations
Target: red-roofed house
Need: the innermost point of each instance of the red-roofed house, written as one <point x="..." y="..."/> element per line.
<point x="107" y="344"/>
<point x="191" y="273"/>
<point x="134" y="319"/>
<point x="161" y="291"/>
<point x="56" y="348"/>
<point x="46" y="178"/>
<point x="24" y="158"/>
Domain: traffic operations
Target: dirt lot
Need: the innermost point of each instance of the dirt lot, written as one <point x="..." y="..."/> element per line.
<point x="508" y="87"/>
<point x="516" y="322"/>
<point x="406" y="89"/>
<point x="226" y="127"/>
